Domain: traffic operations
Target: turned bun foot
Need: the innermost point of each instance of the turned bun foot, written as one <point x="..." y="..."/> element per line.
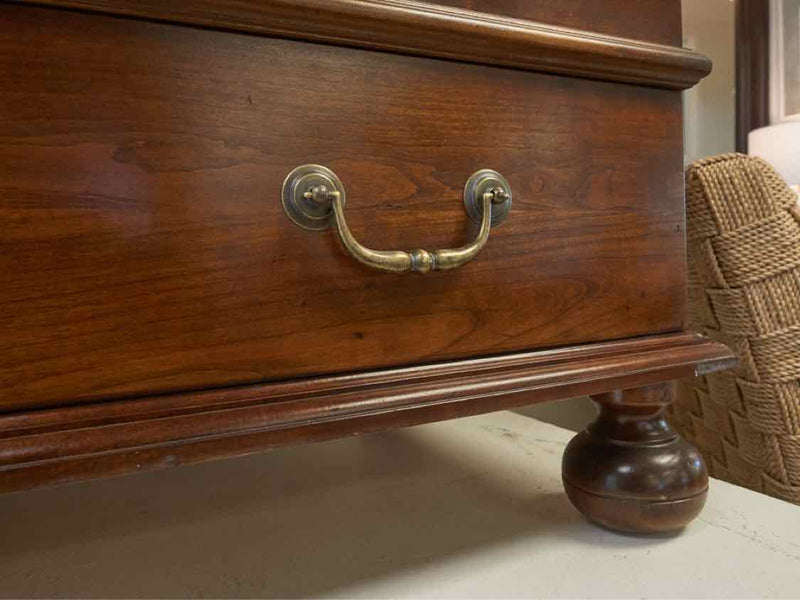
<point x="629" y="471"/>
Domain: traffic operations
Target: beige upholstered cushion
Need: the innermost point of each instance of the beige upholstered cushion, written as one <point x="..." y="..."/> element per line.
<point x="744" y="290"/>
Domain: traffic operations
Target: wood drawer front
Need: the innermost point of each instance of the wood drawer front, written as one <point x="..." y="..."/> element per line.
<point x="144" y="248"/>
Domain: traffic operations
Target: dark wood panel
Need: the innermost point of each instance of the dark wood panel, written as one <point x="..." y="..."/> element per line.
<point x="412" y="27"/>
<point x="145" y="250"/>
<point x="752" y="68"/>
<point x="657" y="21"/>
<point x="60" y="445"/>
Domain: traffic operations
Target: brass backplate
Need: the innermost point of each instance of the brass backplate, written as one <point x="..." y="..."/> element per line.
<point x="304" y="212"/>
<point x="478" y="184"/>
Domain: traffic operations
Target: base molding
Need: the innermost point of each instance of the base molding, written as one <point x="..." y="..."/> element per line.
<point x="61" y="445"/>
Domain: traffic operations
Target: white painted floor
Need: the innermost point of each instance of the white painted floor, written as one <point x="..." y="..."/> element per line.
<point x="468" y="508"/>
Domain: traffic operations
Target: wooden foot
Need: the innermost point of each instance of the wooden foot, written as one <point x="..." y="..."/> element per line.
<point x="629" y="470"/>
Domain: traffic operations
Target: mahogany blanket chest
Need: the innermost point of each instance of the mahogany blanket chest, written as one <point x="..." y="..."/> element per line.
<point x="231" y="225"/>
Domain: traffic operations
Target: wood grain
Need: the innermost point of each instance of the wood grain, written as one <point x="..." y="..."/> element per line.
<point x="657" y="21"/>
<point x="144" y="248"/>
<point x="59" y="445"/>
<point x="433" y="30"/>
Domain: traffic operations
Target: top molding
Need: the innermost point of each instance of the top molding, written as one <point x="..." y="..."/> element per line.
<point x="421" y="29"/>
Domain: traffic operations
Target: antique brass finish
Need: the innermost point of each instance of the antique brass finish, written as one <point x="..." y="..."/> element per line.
<point x="480" y="183"/>
<point x="303" y="210"/>
<point x="314" y="198"/>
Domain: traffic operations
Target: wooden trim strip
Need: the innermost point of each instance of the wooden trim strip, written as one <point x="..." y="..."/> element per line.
<point x="418" y="28"/>
<point x="752" y="68"/>
<point x="60" y="445"/>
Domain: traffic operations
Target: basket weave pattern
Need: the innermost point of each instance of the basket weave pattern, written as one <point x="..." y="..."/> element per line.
<point x="744" y="290"/>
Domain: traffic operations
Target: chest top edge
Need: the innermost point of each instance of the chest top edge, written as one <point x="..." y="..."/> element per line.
<point x="430" y="30"/>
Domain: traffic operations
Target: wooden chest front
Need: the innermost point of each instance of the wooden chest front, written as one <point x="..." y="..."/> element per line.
<point x="145" y="248"/>
<point x="159" y="303"/>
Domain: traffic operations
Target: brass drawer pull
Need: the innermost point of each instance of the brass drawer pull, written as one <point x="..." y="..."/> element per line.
<point x="314" y="198"/>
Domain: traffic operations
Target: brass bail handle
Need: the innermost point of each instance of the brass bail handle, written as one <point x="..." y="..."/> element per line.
<point x="313" y="198"/>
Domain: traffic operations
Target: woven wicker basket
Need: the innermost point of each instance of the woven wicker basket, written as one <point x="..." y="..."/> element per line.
<point x="744" y="290"/>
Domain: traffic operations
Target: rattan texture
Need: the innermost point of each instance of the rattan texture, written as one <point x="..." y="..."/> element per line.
<point x="743" y="241"/>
